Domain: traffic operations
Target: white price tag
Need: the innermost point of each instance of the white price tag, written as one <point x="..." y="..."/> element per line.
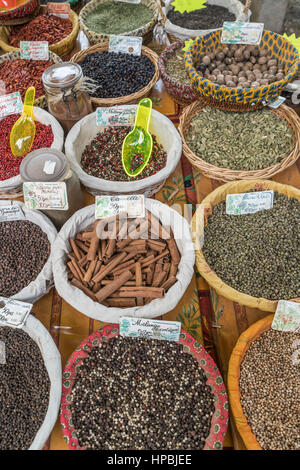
<point x="106" y="206"/>
<point x="277" y="103"/>
<point x="13" y="312"/>
<point x="248" y="203"/>
<point x="287" y="316"/>
<point x="49" y="167"/>
<point x="236" y="32"/>
<point x="150" y="329"/>
<point x="59" y="9"/>
<point x="115" y="116"/>
<point x="125" y="44"/>
<point x="34" y="50"/>
<point x="46" y="196"/>
<point x="10" y="104"/>
<point x="9" y="213"/>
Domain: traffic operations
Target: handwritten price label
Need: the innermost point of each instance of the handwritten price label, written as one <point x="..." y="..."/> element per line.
<point x="46" y="196"/>
<point x="115" y="116"/>
<point x="59" y="9"/>
<point x="10" y="104"/>
<point x="14" y="312"/>
<point x="249" y="203"/>
<point x="8" y="213"/>
<point x="287" y="316"/>
<point x="125" y="44"/>
<point x="106" y="206"/>
<point x="235" y="32"/>
<point x="34" y="50"/>
<point x="150" y="329"/>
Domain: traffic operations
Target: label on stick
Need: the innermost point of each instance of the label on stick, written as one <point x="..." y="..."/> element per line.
<point x="9" y="213"/>
<point x="115" y="116"/>
<point x="46" y="196"/>
<point x="106" y="206"/>
<point x="236" y="32"/>
<point x="34" y="50"/>
<point x="150" y="329"/>
<point x="125" y="44"/>
<point x="248" y="203"/>
<point x="10" y="104"/>
<point x="59" y="9"/>
<point x="14" y="312"/>
<point x="287" y="316"/>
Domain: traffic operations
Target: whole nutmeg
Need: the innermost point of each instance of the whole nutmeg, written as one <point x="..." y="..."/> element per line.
<point x="230" y="53"/>
<point x="238" y="55"/>
<point x="217" y="72"/>
<point x="256" y="67"/>
<point x="272" y="78"/>
<point x="273" y="70"/>
<point x="234" y="78"/>
<point x="264" y="68"/>
<point x="258" y="74"/>
<point x="263" y="53"/>
<point x="242" y="73"/>
<point x="220" y="56"/>
<point x="272" y="62"/>
<point x="246" y="54"/>
<point x="234" y="47"/>
<point x="262" y="60"/>
<point x="253" y="60"/>
<point x="218" y="62"/>
<point x="230" y="84"/>
<point x="279" y="76"/>
<point x="247" y="84"/>
<point x="266" y="75"/>
<point x="221" y="79"/>
<point x="206" y="60"/>
<point x="254" y="51"/>
<point x="222" y="67"/>
<point x="263" y="81"/>
<point x="212" y="67"/>
<point x="234" y="68"/>
<point x="226" y="73"/>
<point x="251" y="77"/>
<point x="225" y="50"/>
<point x="249" y="65"/>
<point x="228" y="60"/>
<point x="255" y="84"/>
<point x="242" y="79"/>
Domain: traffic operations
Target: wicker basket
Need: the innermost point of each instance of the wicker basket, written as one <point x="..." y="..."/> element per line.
<point x="276" y="46"/>
<point x="60" y="48"/>
<point x="226" y="174"/>
<point x="41" y="100"/>
<point x="181" y="94"/>
<point x="129" y="99"/>
<point x="145" y="31"/>
<point x="234" y="392"/>
<point x="21" y="13"/>
<point x="213" y="199"/>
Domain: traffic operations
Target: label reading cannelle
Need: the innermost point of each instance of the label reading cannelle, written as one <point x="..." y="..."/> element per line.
<point x="14" y="312"/>
<point x="287" y="316"/>
<point x="9" y="213"/>
<point x="10" y="104"/>
<point x="248" y="203"/>
<point x="34" y="50"/>
<point x="106" y="206"/>
<point x="150" y="329"/>
<point x="125" y="44"/>
<point x="46" y="196"/>
<point x="236" y="32"/>
<point x="115" y="116"/>
<point x="59" y="9"/>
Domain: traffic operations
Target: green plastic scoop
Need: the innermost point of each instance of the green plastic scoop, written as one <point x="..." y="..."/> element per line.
<point x="23" y="132"/>
<point x="137" y="145"/>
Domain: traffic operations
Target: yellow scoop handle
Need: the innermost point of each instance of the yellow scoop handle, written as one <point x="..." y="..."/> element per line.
<point x="23" y="132"/>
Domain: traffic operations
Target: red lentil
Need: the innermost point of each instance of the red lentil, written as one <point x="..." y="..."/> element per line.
<point x="102" y="158"/>
<point x="20" y="74"/>
<point x="9" y="165"/>
<point x="42" y="28"/>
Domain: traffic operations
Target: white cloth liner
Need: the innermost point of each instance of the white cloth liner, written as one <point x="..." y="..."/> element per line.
<point x="77" y="299"/>
<point x="46" y="118"/>
<point x="52" y="360"/>
<point x="44" y="281"/>
<point x="234" y="6"/>
<point x="84" y="131"/>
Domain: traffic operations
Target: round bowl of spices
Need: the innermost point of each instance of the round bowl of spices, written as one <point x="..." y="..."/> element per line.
<point x="101" y="18"/>
<point x="60" y="33"/>
<point x="228" y="146"/>
<point x="95" y="153"/>
<point x="119" y="78"/>
<point x="118" y="266"/>
<point x="263" y="387"/>
<point x="49" y="133"/>
<point x="19" y="74"/>
<point x="250" y="258"/>
<point x="241" y="77"/>
<point x="173" y="74"/>
<point x="30" y="385"/>
<point x="25" y="246"/>
<point x="204" y="20"/>
<point x="161" y="395"/>
<point x="20" y="14"/>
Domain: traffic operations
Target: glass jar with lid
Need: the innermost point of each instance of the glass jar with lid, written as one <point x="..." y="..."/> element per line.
<point x="67" y="99"/>
<point x="35" y="168"/>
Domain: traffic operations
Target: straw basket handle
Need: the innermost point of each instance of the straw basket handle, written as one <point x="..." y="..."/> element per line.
<point x="247" y="6"/>
<point x="163" y="16"/>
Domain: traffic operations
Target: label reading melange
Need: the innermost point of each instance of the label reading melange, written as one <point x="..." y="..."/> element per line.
<point x="236" y="32"/>
<point x="106" y="206"/>
<point x="115" y="116"/>
<point x="46" y="196"/>
<point x="14" y="312"/>
<point x="10" y="104"/>
<point x="249" y="203"/>
<point x="34" y="50"/>
<point x="9" y="213"/>
<point x="125" y="44"/>
<point x="150" y="329"/>
<point x="287" y="316"/>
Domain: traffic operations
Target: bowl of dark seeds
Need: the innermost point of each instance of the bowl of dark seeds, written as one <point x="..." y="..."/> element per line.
<point x="252" y="259"/>
<point x="134" y="394"/>
<point x="119" y="78"/>
<point x="263" y="387"/>
<point x="30" y="386"/>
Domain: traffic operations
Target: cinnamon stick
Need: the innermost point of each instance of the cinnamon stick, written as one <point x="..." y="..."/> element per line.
<point x="109" y="289"/>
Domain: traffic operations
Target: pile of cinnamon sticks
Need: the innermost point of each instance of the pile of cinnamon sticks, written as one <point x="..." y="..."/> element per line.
<point x="122" y="262"/>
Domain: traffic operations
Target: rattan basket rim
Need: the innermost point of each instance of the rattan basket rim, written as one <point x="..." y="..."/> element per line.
<point x="226" y="174"/>
<point x="53" y="47"/>
<point x="79" y="56"/>
<point x="16" y="9"/>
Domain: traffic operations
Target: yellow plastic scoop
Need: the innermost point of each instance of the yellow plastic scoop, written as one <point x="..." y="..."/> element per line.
<point x="23" y="131"/>
<point x="137" y="145"/>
